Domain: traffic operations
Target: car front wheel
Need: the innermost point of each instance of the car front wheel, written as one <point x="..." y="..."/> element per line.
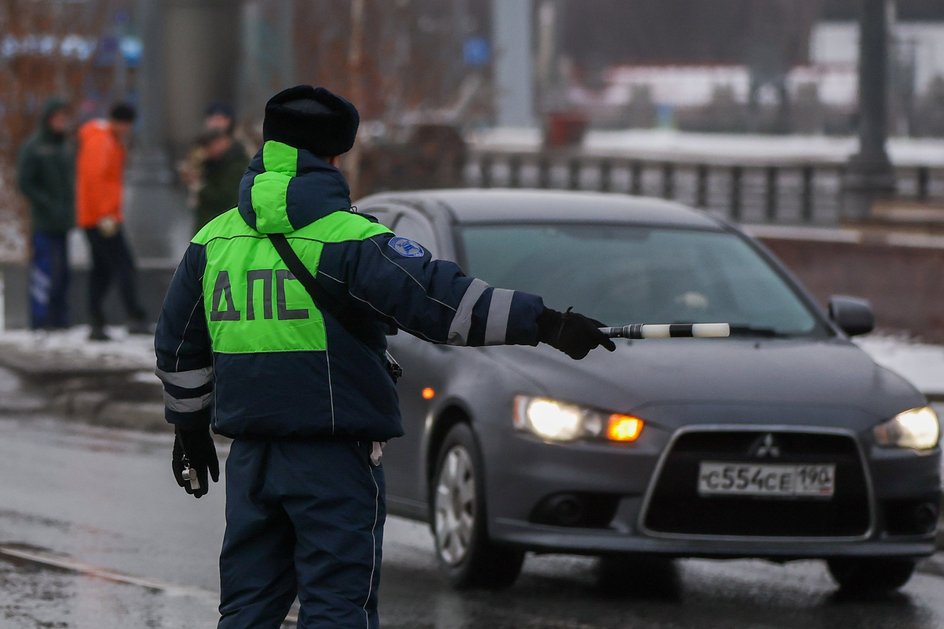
<point x="868" y="574"/>
<point x="467" y="556"/>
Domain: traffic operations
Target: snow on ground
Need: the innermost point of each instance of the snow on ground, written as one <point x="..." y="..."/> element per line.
<point x="72" y="348"/>
<point x="715" y="147"/>
<point x="922" y="364"/>
<point x="696" y="86"/>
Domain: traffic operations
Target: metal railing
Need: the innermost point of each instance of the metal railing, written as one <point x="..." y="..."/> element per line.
<point x="790" y="192"/>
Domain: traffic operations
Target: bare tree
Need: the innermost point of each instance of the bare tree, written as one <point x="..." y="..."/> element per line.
<point x="400" y="61"/>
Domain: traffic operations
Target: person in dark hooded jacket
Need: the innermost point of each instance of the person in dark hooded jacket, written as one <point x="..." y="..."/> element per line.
<point x="46" y="177"/>
<point x="304" y="392"/>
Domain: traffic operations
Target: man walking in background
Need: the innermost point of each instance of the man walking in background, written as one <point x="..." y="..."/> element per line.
<point x="46" y="177"/>
<point x="99" y="187"/>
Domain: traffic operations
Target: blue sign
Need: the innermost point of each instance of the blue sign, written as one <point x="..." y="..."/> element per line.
<point x="476" y="51"/>
<point x="131" y="48"/>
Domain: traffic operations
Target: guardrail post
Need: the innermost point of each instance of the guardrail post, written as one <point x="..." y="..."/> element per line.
<point x="771" y="191"/>
<point x="635" y="184"/>
<point x="514" y="171"/>
<point x="924" y="177"/>
<point x="697" y="185"/>
<point x="485" y="171"/>
<point x="573" y="173"/>
<point x="544" y="172"/>
<point x="668" y="180"/>
<point x="736" y="176"/>
<point x="806" y="198"/>
<point x="701" y="186"/>
<point x="606" y="176"/>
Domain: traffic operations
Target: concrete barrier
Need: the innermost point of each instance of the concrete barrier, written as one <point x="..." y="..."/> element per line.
<point x="902" y="275"/>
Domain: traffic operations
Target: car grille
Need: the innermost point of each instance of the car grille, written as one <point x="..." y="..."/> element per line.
<point x="675" y="507"/>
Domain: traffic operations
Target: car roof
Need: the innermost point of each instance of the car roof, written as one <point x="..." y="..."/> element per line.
<point x="515" y="206"/>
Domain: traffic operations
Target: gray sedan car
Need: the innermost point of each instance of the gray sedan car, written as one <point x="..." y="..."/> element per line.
<point x="784" y="441"/>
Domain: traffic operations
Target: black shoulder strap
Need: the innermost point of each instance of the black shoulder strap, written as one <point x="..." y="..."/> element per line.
<point x="324" y="300"/>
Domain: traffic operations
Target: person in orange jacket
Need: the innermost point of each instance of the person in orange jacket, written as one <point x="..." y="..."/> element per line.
<point x="100" y="165"/>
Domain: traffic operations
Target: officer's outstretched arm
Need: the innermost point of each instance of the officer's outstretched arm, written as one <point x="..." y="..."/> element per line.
<point x="431" y="299"/>
<point x="436" y="301"/>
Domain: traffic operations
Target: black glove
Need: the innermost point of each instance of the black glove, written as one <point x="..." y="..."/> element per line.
<point x="194" y="448"/>
<point x="571" y="333"/>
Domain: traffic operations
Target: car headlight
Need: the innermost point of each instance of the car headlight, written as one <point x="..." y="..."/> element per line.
<point x="918" y="428"/>
<point x="554" y="420"/>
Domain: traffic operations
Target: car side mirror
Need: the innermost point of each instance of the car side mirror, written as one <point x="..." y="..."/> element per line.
<point x="854" y="316"/>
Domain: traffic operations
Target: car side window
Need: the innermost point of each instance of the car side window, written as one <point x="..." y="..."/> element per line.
<point x="418" y="229"/>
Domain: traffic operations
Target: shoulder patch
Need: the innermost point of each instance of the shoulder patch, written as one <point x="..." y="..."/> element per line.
<point x="406" y="247"/>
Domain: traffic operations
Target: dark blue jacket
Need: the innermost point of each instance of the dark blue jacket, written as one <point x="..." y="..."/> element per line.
<point x="342" y="388"/>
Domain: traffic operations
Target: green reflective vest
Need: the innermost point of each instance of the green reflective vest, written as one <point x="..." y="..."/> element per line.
<point x="252" y="301"/>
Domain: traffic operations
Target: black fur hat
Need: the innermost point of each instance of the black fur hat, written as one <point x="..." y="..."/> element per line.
<point x="123" y="112"/>
<point x="311" y="118"/>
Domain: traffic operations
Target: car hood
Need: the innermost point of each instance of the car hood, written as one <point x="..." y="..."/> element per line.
<point x="679" y="381"/>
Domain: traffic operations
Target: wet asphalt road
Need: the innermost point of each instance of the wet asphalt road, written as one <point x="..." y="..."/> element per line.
<point x="103" y="503"/>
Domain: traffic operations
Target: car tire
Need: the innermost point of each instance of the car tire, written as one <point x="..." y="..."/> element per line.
<point x="870" y="575"/>
<point x="457" y="516"/>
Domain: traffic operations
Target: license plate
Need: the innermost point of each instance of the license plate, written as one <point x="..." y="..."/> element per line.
<point x="749" y="479"/>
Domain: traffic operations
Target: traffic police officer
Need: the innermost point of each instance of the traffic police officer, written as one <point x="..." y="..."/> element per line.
<point x="242" y="347"/>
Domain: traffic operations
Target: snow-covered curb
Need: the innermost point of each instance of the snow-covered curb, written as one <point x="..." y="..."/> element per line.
<point x="71" y="350"/>
<point x="108" y="383"/>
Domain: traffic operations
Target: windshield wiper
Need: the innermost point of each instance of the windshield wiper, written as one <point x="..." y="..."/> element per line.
<point x="755" y="330"/>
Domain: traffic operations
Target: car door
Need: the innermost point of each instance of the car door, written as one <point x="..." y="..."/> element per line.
<point x="423" y="367"/>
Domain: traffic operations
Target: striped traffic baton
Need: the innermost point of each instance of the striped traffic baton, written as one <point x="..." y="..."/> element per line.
<point x="668" y="330"/>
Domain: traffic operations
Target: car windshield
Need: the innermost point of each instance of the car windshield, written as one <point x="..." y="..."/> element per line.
<point x="623" y="274"/>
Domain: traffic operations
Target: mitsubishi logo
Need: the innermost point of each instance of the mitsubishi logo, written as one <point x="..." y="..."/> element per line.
<point x="766" y="446"/>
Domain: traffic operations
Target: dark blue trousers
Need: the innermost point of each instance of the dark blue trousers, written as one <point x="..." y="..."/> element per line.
<point x="305" y="518"/>
<point x="111" y="258"/>
<point x="49" y="281"/>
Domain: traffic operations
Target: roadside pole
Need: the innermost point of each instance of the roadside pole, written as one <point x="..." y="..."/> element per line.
<point x="870" y="176"/>
<point x="355" y="64"/>
<point x="514" y="75"/>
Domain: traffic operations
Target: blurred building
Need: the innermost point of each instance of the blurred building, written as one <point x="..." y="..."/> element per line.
<point x="916" y="64"/>
<point x="746" y="65"/>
